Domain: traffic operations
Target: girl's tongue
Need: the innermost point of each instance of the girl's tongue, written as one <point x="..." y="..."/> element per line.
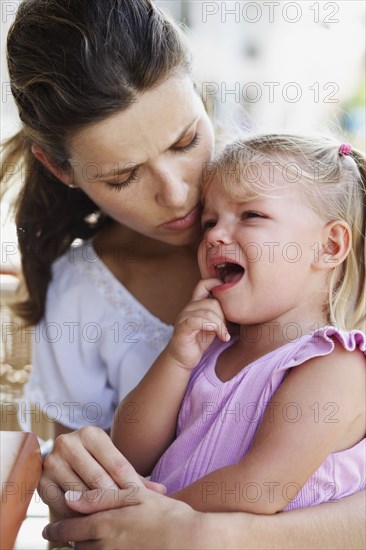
<point x="228" y="272"/>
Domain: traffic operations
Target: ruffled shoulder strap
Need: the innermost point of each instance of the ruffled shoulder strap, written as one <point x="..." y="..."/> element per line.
<point x="322" y="342"/>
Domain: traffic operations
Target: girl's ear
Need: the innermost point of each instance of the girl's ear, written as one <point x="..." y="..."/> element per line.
<point x="62" y="175"/>
<point x="337" y="242"/>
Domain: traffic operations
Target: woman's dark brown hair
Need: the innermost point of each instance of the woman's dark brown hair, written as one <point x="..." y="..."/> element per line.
<point x="73" y="63"/>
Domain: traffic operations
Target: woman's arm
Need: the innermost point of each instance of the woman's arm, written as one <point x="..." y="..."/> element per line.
<point x="337" y="526"/>
<point x="159" y="522"/>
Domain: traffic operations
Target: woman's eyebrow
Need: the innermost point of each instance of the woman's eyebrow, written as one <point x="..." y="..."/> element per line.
<point x="129" y="167"/>
<point x="116" y="171"/>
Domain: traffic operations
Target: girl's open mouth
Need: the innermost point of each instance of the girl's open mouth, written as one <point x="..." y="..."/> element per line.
<point x="229" y="273"/>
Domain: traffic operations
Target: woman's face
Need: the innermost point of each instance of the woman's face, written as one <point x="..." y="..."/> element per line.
<point x="143" y="166"/>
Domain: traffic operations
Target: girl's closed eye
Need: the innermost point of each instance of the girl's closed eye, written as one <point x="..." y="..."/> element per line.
<point x="249" y="214"/>
<point x="208" y="224"/>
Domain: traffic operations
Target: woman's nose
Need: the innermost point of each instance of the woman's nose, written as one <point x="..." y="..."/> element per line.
<point x="172" y="191"/>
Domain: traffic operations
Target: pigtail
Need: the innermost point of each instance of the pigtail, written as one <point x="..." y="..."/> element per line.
<point x="347" y="292"/>
<point x="360" y="252"/>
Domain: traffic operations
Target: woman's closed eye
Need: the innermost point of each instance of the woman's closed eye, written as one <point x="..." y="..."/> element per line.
<point x="186" y="144"/>
<point x="182" y="147"/>
<point x="122" y="184"/>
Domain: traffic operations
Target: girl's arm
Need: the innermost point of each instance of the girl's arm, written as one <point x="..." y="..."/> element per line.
<point x="144" y="436"/>
<point x="285" y="453"/>
<point x="155" y="403"/>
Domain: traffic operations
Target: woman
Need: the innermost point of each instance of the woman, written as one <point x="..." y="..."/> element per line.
<point x="115" y="141"/>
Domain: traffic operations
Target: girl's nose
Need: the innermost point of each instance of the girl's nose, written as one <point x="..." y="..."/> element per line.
<point x="218" y="241"/>
<point x="219" y="234"/>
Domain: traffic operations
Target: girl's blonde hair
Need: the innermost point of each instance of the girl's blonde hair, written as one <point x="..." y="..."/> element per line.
<point x="331" y="183"/>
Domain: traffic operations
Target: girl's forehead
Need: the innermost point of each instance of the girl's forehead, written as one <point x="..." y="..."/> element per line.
<point x="286" y="200"/>
<point x="217" y="197"/>
<point x="223" y="190"/>
<point x="238" y="185"/>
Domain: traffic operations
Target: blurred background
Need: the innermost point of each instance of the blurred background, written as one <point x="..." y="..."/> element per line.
<point x="266" y="65"/>
<point x="280" y="65"/>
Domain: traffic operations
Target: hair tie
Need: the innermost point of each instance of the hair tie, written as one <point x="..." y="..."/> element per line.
<point x="345" y="149"/>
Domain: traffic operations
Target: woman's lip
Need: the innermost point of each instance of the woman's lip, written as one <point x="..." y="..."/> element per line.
<point x="184" y="223"/>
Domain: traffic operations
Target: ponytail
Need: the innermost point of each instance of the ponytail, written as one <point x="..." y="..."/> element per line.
<point x="12" y="153"/>
<point x="42" y="200"/>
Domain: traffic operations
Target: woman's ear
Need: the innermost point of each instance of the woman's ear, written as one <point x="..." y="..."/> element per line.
<point x="62" y="175"/>
<point x="336" y="244"/>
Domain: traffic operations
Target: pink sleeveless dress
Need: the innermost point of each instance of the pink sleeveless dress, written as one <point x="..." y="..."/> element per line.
<point x="218" y="420"/>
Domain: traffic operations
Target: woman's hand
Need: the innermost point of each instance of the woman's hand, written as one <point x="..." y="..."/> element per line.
<point x="125" y="519"/>
<point x="82" y="460"/>
<point x="160" y="522"/>
<point x="197" y="326"/>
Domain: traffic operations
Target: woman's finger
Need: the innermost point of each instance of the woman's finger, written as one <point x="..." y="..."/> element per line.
<point x="73" y="461"/>
<point x="99" y="500"/>
<point x="99" y="463"/>
<point x="57" y="471"/>
<point x="75" y="529"/>
<point x="154" y="486"/>
<point x="87" y="545"/>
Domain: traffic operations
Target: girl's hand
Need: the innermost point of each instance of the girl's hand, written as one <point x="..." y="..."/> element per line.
<point x="197" y="326"/>
<point x="82" y="460"/>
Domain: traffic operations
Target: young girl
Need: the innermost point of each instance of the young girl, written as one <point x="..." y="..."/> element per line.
<point x="273" y="416"/>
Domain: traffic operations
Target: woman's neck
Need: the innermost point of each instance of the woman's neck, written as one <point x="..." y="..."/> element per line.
<point x="160" y="276"/>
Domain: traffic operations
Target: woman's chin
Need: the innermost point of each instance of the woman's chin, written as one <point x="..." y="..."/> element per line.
<point x="191" y="236"/>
